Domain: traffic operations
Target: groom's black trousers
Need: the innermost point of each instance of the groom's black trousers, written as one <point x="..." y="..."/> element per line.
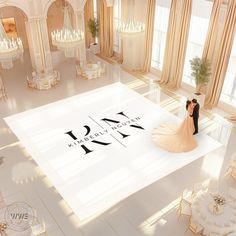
<point x="195" y="121"/>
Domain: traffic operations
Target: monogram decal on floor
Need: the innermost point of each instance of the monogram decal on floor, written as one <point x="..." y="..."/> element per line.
<point x="109" y="130"/>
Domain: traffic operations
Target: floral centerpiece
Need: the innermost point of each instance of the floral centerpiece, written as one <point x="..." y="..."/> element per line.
<point x="219" y="202"/>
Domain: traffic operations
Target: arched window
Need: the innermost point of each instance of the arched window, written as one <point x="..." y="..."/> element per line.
<point x="116" y="22"/>
<point x="228" y="94"/>
<point x="95" y="9"/>
<point x="162" y="11"/>
<point x="201" y="12"/>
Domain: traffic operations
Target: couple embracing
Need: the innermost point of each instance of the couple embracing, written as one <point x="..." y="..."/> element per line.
<point x="179" y="139"/>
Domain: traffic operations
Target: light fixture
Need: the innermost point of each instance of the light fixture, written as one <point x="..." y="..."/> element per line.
<point x="67" y="39"/>
<point x="10" y="49"/>
<point x="131" y="27"/>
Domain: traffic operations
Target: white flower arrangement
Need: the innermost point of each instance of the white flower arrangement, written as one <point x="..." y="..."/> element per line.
<point x="219" y="200"/>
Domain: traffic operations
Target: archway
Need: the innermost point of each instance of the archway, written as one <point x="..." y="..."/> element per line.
<point x="55" y="18"/>
<point x="17" y="15"/>
<point x="50" y="2"/>
<point x="15" y="78"/>
<point x="14" y="19"/>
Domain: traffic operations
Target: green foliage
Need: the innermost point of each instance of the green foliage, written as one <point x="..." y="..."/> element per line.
<point x="201" y="71"/>
<point x="93" y="27"/>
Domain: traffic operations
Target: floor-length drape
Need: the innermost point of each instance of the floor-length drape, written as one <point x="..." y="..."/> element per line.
<point x="149" y="35"/>
<point x="105" y="19"/>
<point x="212" y="31"/>
<point x="218" y="76"/>
<point x="88" y="14"/>
<point x="176" y="43"/>
<point x="123" y="19"/>
<point x="211" y="39"/>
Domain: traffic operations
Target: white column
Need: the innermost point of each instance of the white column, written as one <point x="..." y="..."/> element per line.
<point x="79" y="24"/>
<point x="39" y="48"/>
<point x="44" y="77"/>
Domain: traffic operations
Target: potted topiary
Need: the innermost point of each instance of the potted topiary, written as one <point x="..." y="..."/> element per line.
<point x="201" y="71"/>
<point x="93" y="28"/>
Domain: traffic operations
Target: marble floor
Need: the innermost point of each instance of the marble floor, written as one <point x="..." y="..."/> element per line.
<point x="147" y="212"/>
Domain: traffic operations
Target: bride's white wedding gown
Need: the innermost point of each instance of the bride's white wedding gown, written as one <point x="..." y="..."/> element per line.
<point x="176" y="138"/>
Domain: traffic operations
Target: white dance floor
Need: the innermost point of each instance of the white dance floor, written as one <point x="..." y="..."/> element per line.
<point x="96" y="147"/>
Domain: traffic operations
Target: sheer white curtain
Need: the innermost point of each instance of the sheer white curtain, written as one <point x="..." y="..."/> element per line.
<point x="162" y="11"/>
<point x="201" y="12"/>
<point x="228" y="94"/>
<point x="116" y="23"/>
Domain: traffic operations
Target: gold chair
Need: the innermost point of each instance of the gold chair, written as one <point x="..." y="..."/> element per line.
<point x="196" y="188"/>
<point x="38" y="229"/>
<point x="3" y="94"/>
<point x="231" y="170"/>
<point x="194" y="227"/>
<point x="30" y="82"/>
<point x="233" y="173"/>
<point x="184" y="208"/>
<point x="79" y="70"/>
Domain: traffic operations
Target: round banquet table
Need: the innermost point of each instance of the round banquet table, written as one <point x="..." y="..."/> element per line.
<point x="222" y="222"/>
<point x="92" y="70"/>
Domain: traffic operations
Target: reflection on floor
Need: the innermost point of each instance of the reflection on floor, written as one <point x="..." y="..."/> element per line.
<point x="150" y="211"/>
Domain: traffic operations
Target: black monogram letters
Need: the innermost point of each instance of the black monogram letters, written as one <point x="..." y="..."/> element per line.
<point x="114" y="125"/>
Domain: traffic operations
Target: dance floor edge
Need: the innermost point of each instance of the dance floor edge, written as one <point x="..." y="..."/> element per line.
<point x="96" y="147"/>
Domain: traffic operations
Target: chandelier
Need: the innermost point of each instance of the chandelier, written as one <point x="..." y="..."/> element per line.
<point x="67" y="40"/>
<point x="10" y="49"/>
<point x="131" y="27"/>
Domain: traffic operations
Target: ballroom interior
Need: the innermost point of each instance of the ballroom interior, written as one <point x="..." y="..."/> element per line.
<point x="83" y="83"/>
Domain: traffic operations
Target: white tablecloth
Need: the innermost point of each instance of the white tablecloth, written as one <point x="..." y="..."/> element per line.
<point x="222" y="223"/>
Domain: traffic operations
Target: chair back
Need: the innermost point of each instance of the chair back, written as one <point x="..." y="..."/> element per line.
<point x="232" y="193"/>
<point x="196" y="188"/>
<point x="194" y="227"/>
<point x="38" y="229"/>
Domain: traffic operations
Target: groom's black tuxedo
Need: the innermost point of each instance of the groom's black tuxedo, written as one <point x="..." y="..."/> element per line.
<point x="195" y="116"/>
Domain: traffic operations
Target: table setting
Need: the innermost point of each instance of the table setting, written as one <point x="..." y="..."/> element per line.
<point x="215" y="212"/>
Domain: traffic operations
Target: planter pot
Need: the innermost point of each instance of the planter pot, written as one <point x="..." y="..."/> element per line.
<point x="94" y="48"/>
<point x="200" y="98"/>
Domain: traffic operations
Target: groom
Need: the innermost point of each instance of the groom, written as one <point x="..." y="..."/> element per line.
<point x="195" y="115"/>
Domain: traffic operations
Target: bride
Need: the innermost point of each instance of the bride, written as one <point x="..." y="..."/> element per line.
<point x="177" y="139"/>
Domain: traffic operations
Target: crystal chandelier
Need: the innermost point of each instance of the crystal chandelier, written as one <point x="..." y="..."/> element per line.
<point x="131" y="27"/>
<point x="67" y="39"/>
<point x="10" y="49"/>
